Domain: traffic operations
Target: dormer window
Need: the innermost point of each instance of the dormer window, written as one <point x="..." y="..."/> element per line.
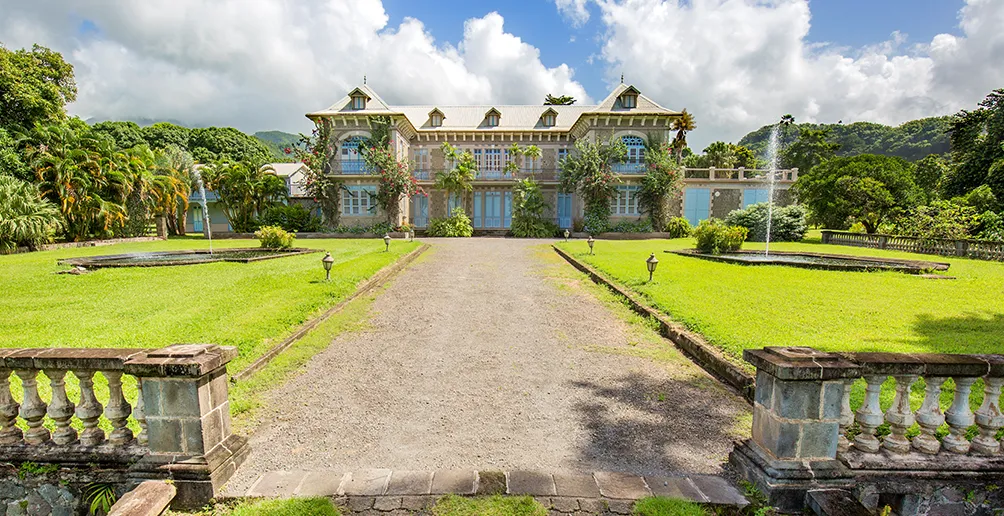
<point x="436" y="118"/>
<point x="492" y="117"/>
<point x="358" y="99"/>
<point x="629" y="101"/>
<point x="549" y="118"/>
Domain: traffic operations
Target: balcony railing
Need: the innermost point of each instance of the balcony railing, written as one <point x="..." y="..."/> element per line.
<point x="740" y="174"/>
<point x="629" y="168"/>
<point x="350" y="167"/>
<point x="547" y="174"/>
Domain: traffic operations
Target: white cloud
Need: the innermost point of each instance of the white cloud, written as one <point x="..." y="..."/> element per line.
<point x="574" y="10"/>
<point x="740" y="64"/>
<point x="263" y="64"/>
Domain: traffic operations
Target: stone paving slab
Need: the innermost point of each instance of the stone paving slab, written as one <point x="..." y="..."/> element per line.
<point x="277" y="484"/>
<point x="533" y="483"/>
<point x="410" y="483"/>
<point x="718" y="490"/>
<point x="621" y="486"/>
<point x="457" y="481"/>
<point x="320" y="483"/>
<point x="368" y="482"/>
<point x="675" y="487"/>
<point x="578" y="485"/>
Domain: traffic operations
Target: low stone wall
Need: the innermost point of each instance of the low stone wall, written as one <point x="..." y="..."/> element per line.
<point x="978" y="249"/>
<point x="89" y="243"/>
<point x="230" y="235"/>
<point x="625" y="236"/>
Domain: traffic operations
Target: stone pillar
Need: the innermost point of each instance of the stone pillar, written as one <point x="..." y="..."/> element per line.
<point x="797" y="413"/>
<point x="187" y="417"/>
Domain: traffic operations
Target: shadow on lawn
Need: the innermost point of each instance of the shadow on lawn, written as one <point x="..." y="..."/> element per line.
<point x="972" y="333"/>
<point x="652" y="426"/>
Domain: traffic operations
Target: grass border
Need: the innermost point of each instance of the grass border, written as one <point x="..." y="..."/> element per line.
<point x="693" y="345"/>
<point x="374" y="281"/>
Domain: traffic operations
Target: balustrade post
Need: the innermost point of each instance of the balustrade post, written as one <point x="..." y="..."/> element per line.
<point x="118" y="409"/>
<point x="959" y="417"/>
<point x="32" y="408"/>
<point x="899" y="416"/>
<point x="798" y="409"/>
<point x="846" y="417"/>
<point x="869" y="416"/>
<point x="929" y="416"/>
<point x="9" y="432"/>
<point x="61" y="408"/>
<point x="989" y="418"/>
<point x="139" y="413"/>
<point x="89" y="410"/>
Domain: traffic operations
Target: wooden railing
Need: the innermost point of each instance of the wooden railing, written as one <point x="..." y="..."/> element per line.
<point x="980" y="249"/>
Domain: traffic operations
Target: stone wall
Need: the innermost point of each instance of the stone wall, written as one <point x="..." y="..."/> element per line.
<point x="725" y="200"/>
<point x="43" y="489"/>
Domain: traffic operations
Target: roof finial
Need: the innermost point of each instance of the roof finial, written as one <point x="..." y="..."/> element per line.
<point x="622" y="77"/>
<point x="364" y="80"/>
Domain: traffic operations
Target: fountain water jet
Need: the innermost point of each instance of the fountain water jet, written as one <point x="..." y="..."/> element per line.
<point x="773" y="148"/>
<point x="205" y="208"/>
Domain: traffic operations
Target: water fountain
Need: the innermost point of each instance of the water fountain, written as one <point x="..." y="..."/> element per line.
<point x="205" y="208"/>
<point x="773" y="148"/>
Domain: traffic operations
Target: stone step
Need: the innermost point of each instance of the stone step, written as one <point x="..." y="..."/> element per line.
<point x="559" y="488"/>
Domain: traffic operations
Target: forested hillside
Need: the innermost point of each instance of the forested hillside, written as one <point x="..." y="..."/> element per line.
<point x="911" y="141"/>
<point x="277" y="142"/>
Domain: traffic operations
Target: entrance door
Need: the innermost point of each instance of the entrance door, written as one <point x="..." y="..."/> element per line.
<point x="197" y="218"/>
<point x="493" y="209"/>
<point x="564" y="210"/>
<point x="420" y="210"/>
<point x="507" y="211"/>
<point x="697" y="205"/>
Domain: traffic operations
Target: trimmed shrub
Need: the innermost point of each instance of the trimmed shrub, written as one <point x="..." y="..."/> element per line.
<point x="717" y="237"/>
<point x="679" y="227"/>
<point x="458" y="224"/>
<point x="274" y="237"/>
<point x="293" y="217"/>
<point x="788" y="224"/>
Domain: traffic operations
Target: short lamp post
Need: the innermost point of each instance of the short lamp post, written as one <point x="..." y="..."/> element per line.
<point x="327" y="261"/>
<point x="411" y="235"/>
<point x="386" y="242"/>
<point x="652" y="263"/>
<point x="590" y="242"/>
<point x="566" y="235"/>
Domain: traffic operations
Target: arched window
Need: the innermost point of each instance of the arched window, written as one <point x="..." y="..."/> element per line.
<point x="350" y="160"/>
<point x="635" y="162"/>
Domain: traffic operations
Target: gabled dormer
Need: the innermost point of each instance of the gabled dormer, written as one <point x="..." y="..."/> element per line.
<point x="358" y="99"/>
<point x="436" y="118"/>
<point x="549" y="118"/>
<point x="629" y="97"/>
<point x="492" y="118"/>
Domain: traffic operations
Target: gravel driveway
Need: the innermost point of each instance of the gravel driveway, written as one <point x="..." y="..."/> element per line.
<point x="494" y="353"/>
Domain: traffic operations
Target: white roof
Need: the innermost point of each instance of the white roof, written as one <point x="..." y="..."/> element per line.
<point x="512" y="117"/>
<point x="286" y="169"/>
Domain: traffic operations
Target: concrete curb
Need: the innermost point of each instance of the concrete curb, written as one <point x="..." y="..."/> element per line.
<point x="374" y="281"/>
<point x="693" y="345"/>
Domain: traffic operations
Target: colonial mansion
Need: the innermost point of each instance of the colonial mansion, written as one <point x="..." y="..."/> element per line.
<point x="487" y="131"/>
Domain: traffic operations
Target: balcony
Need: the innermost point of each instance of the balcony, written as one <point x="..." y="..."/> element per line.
<point x="350" y="167"/>
<point x="196" y="196"/>
<point x="744" y="175"/>
<point x="547" y="174"/>
<point x="629" y="168"/>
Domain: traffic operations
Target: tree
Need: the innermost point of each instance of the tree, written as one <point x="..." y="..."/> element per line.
<point x="395" y="179"/>
<point x="528" y="204"/>
<point x="929" y="174"/>
<point x="720" y="155"/>
<point x="35" y="87"/>
<point x="977" y="144"/>
<point x="589" y="171"/>
<point x="682" y="125"/>
<point x="564" y="100"/>
<point x="212" y="144"/>
<point x="245" y="189"/>
<point x="995" y="176"/>
<point x="165" y="134"/>
<point x="11" y="163"/>
<point x="125" y="134"/>
<point x="26" y="220"/>
<point x="810" y="149"/>
<point x="662" y="181"/>
<point x="316" y="151"/>
<point x="745" y="157"/>
<point x="173" y="168"/>
<point x="457" y="180"/>
<point x="869" y="189"/>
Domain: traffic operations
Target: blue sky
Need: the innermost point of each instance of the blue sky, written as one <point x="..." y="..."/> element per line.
<point x="846" y="23"/>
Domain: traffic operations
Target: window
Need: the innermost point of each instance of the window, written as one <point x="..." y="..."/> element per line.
<point x="358" y="102"/>
<point x="562" y="154"/>
<point x="629" y="101"/>
<point x="358" y="200"/>
<point x="625" y="202"/>
<point x="493" y="120"/>
<point x="531" y="164"/>
<point x="351" y="161"/>
<point x="436" y="120"/>
<point x="452" y="203"/>
<point x="549" y="120"/>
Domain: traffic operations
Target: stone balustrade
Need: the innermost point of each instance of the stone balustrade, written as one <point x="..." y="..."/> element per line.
<point x="181" y="409"/>
<point x="806" y="434"/>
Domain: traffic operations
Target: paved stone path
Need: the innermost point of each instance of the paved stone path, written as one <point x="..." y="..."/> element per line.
<point x="383" y="490"/>
<point x="496" y="354"/>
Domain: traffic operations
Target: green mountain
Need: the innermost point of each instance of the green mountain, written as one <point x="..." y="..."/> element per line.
<point x="912" y="141"/>
<point x="277" y="142"/>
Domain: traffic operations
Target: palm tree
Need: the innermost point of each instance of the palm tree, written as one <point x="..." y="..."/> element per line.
<point x="682" y="125"/>
<point x="563" y="100"/>
<point x="25" y="218"/>
<point x="786" y="122"/>
<point x="173" y="182"/>
<point x="459" y="179"/>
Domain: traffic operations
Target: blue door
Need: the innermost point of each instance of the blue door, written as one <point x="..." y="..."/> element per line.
<point x="564" y="210"/>
<point x="507" y="211"/>
<point x="197" y="218"/>
<point x="755" y="195"/>
<point x="477" y="210"/>
<point x="493" y="209"/>
<point x="697" y="205"/>
<point x="420" y="210"/>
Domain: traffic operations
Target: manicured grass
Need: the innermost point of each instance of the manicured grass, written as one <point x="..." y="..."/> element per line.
<point x="738" y="307"/>
<point x="497" y="505"/>
<point x="250" y="306"/>
<point x="662" y="506"/>
<point x="284" y="507"/>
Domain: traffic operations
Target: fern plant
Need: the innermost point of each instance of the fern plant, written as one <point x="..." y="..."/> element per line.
<point x="100" y="497"/>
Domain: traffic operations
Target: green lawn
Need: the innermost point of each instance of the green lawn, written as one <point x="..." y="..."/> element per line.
<point x="250" y="306"/>
<point x="737" y="307"/>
